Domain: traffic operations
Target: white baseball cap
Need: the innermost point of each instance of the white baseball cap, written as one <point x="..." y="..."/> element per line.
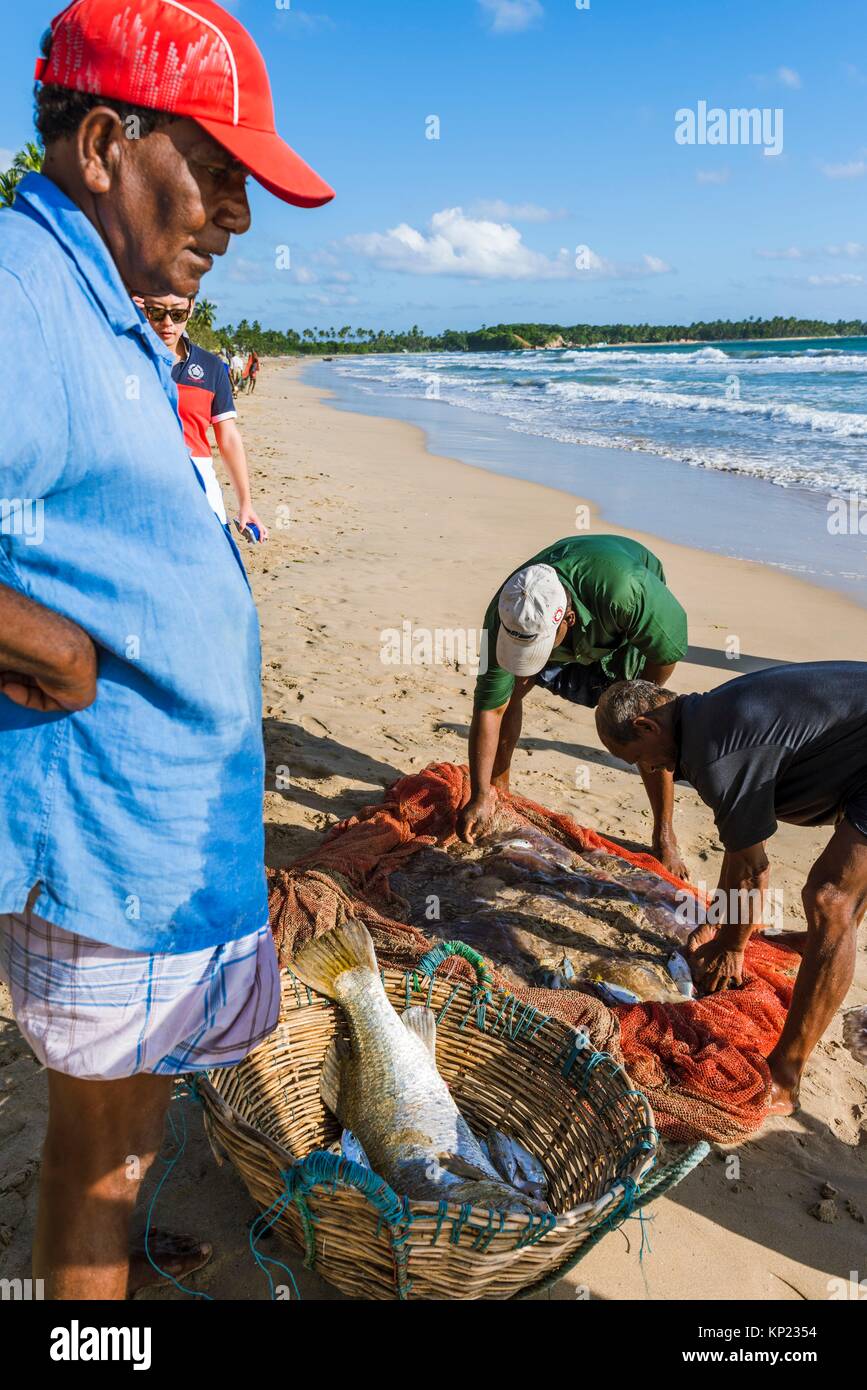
<point x="532" y="606"/>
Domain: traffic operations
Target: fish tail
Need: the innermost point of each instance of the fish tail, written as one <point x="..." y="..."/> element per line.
<point x="320" y="963"/>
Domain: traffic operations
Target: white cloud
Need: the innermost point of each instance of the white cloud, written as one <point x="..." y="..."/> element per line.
<point x="713" y="175"/>
<point x="511" y="16"/>
<point x="516" y="212"/>
<point x="482" y="249"/>
<point x="854" y="250"/>
<point x="835" y="281"/>
<point x="656" y="266"/>
<point x="461" y="245"/>
<point x="6" y="158"/>
<point x="244" y="270"/>
<point x="781" y="77"/>
<point x="332" y="301"/>
<point x="791" y="253"/>
<point x="855" y="169"/>
<point x="846" y="250"/>
<point x="295" y="21"/>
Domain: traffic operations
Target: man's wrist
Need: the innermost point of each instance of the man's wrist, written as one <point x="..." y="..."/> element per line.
<point x="664" y="835"/>
<point x="732" y="937"/>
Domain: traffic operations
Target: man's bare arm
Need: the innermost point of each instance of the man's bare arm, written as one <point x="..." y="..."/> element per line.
<point x="659" y="786"/>
<point x="717" y="962"/>
<point x="660" y="675"/>
<point x="47" y="663"/>
<point x="484" y="742"/>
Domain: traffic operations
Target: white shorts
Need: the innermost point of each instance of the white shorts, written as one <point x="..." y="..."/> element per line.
<point x="213" y="491"/>
<point x="99" y="1012"/>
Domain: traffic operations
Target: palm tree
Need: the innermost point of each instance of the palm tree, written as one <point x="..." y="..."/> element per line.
<point x="206" y="312"/>
<point x="27" y="161"/>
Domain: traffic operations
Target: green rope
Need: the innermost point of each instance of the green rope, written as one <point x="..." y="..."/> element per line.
<point x="447" y="1005"/>
<point x="662" y="1181"/>
<point x="433" y="959"/>
<point x="459" y="1222"/>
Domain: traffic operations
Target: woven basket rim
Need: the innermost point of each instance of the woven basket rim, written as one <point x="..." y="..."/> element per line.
<point x="584" y="1214"/>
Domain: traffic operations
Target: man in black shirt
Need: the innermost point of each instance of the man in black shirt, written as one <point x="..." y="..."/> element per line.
<point x="788" y="743"/>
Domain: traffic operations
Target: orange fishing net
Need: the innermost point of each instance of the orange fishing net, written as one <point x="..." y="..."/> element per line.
<point x="701" y="1063"/>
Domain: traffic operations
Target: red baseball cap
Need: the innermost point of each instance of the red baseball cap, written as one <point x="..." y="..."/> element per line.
<point x="193" y="59"/>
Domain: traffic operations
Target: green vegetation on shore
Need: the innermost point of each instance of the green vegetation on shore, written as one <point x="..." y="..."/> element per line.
<point x="501" y="337"/>
<point x="270" y="342"/>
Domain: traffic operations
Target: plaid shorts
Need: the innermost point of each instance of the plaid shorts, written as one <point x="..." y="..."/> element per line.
<point x="99" y="1012"/>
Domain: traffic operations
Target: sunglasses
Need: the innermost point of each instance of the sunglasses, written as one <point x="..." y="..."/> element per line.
<point x="157" y="312"/>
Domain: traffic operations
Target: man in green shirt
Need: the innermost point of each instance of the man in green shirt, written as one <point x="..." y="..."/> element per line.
<point x="584" y="613"/>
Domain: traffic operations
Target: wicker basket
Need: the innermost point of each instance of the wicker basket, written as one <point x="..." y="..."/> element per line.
<point x="508" y="1067"/>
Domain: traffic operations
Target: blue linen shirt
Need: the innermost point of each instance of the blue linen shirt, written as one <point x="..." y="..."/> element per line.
<point x="140" y="817"/>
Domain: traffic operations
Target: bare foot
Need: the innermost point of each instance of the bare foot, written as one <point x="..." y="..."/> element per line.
<point x="176" y="1255"/>
<point x="783" y="1100"/>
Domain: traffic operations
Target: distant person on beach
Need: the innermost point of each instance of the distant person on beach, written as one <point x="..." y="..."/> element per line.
<point x="134" y="935"/>
<point x="237" y="370"/>
<point x="785" y="744"/>
<point x="204" y="400"/>
<point x="586" y="612"/>
<point x="251" y="371"/>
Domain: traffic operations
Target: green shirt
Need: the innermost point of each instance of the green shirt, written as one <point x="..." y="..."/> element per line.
<point x="626" y="615"/>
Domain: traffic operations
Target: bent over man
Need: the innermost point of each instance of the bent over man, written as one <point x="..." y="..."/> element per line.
<point x="585" y="612"/>
<point x="785" y="744"/>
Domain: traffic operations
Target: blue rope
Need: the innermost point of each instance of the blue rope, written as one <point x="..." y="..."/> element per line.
<point x="256" y="1235"/>
<point x="170" y="1166"/>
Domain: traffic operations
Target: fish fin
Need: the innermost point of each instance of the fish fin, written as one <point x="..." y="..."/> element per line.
<point x="423" y="1022"/>
<point x="462" y="1167"/>
<point x="329" y="1081"/>
<point x="320" y="963"/>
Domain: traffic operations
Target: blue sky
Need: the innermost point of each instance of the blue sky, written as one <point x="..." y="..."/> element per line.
<point x="556" y="137"/>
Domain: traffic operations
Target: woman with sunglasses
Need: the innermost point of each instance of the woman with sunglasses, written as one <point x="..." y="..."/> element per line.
<point x="204" y="399"/>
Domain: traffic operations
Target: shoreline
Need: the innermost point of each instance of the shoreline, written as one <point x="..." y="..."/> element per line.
<point x="572" y="347"/>
<point x="753" y="519"/>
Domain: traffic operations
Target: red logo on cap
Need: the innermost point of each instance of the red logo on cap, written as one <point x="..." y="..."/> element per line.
<point x="558" y="615"/>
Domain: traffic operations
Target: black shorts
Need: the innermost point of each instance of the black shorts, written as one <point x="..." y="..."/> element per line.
<point x="855" y="811"/>
<point x="582" y="685"/>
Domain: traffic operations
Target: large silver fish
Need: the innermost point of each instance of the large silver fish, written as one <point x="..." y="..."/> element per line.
<point x="388" y="1091"/>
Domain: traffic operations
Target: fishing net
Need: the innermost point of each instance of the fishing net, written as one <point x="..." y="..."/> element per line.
<point x="700" y="1062"/>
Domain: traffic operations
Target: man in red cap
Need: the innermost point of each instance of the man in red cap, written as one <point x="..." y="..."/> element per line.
<point x="134" y="932"/>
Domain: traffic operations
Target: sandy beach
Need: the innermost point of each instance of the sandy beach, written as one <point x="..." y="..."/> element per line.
<point x="368" y="532"/>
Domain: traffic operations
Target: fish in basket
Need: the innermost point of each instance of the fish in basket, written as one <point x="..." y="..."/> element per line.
<point x="440" y="1213"/>
<point x="386" y="1089"/>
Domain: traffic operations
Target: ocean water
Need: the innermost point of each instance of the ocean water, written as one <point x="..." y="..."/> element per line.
<point x="791" y="413"/>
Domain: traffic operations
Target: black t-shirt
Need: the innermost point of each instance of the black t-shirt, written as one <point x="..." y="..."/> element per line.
<point x="788" y="743"/>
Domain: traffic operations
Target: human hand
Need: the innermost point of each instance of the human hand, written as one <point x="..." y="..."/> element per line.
<point x="716" y="967"/>
<point x="476" y="816"/>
